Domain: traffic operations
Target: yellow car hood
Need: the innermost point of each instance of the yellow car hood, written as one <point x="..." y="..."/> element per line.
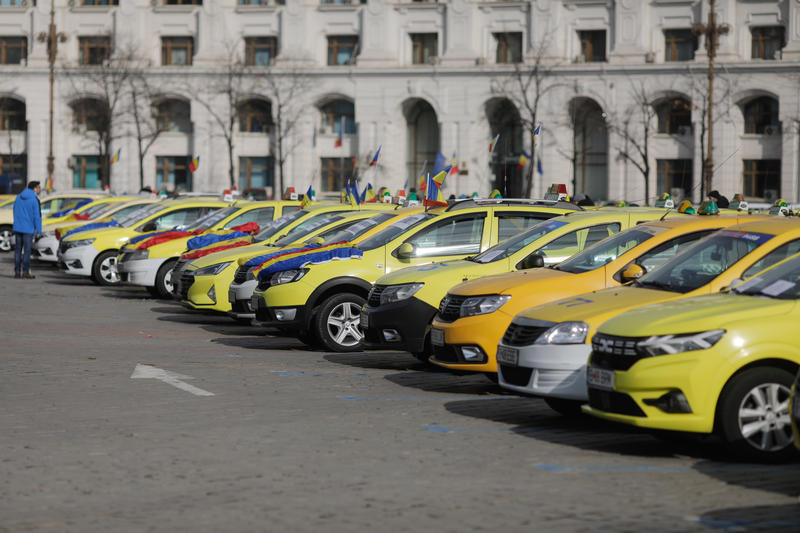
<point x="231" y="254"/>
<point x="448" y="272"/>
<point x="509" y="281"/>
<point x="691" y="315"/>
<point x="593" y="305"/>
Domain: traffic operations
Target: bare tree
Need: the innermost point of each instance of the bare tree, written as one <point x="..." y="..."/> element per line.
<point x="105" y="84"/>
<point x="143" y="114"/>
<point x="526" y="87"/>
<point x="285" y="86"/>
<point x="635" y="127"/>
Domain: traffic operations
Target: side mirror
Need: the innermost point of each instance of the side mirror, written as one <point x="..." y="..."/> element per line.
<point x="632" y="272"/>
<point x="532" y="261"/>
<point x="316" y="240"/>
<point x="405" y="251"/>
<point x="150" y="226"/>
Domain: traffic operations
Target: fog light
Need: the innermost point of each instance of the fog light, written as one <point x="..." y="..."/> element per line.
<point x="212" y="294"/>
<point x="672" y="402"/>
<point x="285" y="314"/>
<point x="76" y="264"/>
<point x="472" y="353"/>
<point x="391" y="335"/>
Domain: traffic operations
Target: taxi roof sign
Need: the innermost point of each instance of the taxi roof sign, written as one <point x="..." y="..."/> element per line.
<point x="665" y="201"/>
<point x="556" y="192"/>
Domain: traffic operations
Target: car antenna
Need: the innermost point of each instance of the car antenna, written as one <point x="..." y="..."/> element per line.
<point x="665" y="215"/>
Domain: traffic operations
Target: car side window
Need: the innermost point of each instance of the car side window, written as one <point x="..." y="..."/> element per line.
<point x="288" y="209"/>
<point x="178" y="218"/>
<point x="570" y="244"/>
<point x="598" y="233"/>
<point x="654" y="257"/>
<point x="454" y="236"/>
<point x="261" y="217"/>
<point x="509" y="224"/>
<point x="778" y="254"/>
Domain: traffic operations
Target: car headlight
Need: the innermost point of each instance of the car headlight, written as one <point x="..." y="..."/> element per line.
<point x="480" y="305"/>
<point x="212" y="270"/>
<point x="76" y="244"/>
<point x="670" y="344"/>
<point x="397" y="293"/>
<point x="140" y="254"/>
<point x="287" y="276"/>
<point x="565" y="333"/>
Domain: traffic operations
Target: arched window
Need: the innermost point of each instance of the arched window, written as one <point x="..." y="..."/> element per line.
<point x="504" y="120"/>
<point x="89" y="114"/>
<point x="590" y="148"/>
<point x="761" y="116"/>
<point x="12" y="114"/>
<point x="255" y="116"/>
<point x="174" y="115"/>
<point x="338" y="116"/>
<point x="674" y="116"/>
<point x="422" y="137"/>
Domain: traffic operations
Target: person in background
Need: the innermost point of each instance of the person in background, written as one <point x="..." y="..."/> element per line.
<point x="583" y="200"/>
<point x="27" y="224"/>
<point x="722" y="202"/>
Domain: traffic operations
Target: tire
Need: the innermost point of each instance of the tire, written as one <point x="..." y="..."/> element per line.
<point x="337" y="322"/>
<point x="753" y="415"/>
<point x="104" y="269"/>
<point x="6" y="239"/>
<point x="164" y="286"/>
<point x="564" y="407"/>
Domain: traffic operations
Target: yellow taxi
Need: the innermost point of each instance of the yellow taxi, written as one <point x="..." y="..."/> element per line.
<point x="473" y="316"/>
<point x="402" y="304"/>
<point x="97" y="212"/>
<point x="322" y="302"/>
<point x="552" y="341"/>
<point x="720" y="363"/>
<point x="150" y="265"/>
<point x="199" y="276"/>
<point x="93" y="253"/>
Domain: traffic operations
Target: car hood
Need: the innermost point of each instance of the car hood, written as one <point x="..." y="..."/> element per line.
<point x="592" y="305"/>
<point x="451" y="272"/>
<point x="231" y="254"/>
<point x="701" y="313"/>
<point x="503" y="283"/>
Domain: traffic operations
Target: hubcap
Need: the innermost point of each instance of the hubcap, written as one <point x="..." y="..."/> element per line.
<point x="343" y="324"/>
<point x="5" y="240"/>
<point x="108" y="270"/>
<point x="764" y="417"/>
<point x="168" y="282"/>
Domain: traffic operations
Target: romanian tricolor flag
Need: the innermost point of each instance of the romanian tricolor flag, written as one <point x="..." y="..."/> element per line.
<point x="194" y="164"/>
<point x="369" y="194"/>
<point x="434" y="195"/>
<point x="454" y="165"/>
<point x="376" y="156"/>
<point x="439" y="178"/>
<point x="115" y="157"/>
<point x="523" y="159"/>
<point x="338" y="142"/>
<point x="350" y="196"/>
<point x="493" y="143"/>
<point x="308" y="197"/>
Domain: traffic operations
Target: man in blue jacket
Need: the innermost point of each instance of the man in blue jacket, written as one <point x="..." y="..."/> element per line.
<point x="27" y="224"/>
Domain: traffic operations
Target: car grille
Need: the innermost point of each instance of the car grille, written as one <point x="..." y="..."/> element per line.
<point x="614" y="402"/>
<point x="450" y="308"/>
<point x="241" y="275"/>
<point x="184" y="283"/>
<point x="614" y="353"/>
<point x="241" y="306"/>
<point x="62" y="247"/>
<point x="519" y="335"/>
<point x="515" y="375"/>
<point x="446" y="354"/>
<point x="374" y="299"/>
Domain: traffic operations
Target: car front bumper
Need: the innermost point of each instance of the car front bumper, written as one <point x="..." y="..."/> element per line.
<point x="140" y="272"/>
<point x="401" y="325"/>
<point x="240" y="296"/>
<point x="547" y="370"/>
<point x="480" y="332"/>
<point x="78" y="261"/>
<point x="45" y="249"/>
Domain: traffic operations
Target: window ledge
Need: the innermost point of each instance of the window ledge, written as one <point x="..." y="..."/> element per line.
<point x="161" y="8"/>
<point x="76" y="6"/>
<point x="256" y="8"/>
<point x="338" y="7"/>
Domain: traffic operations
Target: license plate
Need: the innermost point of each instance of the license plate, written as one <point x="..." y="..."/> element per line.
<point x="437" y="337"/>
<point x="507" y="356"/>
<point x="364" y="320"/>
<point x="599" y="378"/>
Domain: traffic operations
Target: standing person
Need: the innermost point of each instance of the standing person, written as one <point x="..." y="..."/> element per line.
<point x="27" y="224"/>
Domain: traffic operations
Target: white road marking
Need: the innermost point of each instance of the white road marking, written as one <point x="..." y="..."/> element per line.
<point x="172" y="378"/>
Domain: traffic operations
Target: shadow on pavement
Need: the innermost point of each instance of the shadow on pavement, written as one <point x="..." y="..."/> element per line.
<point x="771" y="518"/>
<point x="434" y="379"/>
<point x="194" y="318"/>
<point x="67" y="281"/>
<point x="778" y="478"/>
<point x="263" y="343"/>
<point x="531" y="417"/>
<point x="380" y="361"/>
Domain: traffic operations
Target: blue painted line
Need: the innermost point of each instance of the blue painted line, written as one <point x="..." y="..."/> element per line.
<point x="229" y="355"/>
<point x="648" y="468"/>
<point x="442" y="429"/>
<point x="764" y="524"/>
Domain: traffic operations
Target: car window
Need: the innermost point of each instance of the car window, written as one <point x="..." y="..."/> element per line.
<point x="348" y="232"/>
<point x="509" y="224"/>
<point x="309" y="227"/>
<point x="778" y="254"/>
<point x="288" y="209"/>
<point x="211" y="219"/>
<point x="278" y="224"/>
<point x="453" y="236"/>
<point x="393" y="230"/>
<point x="262" y="217"/>
<point x="656" y="256"/>
<point x="125" y="211"/>
<point x="569" y="244"/>
<point x="606" y="251"/>
<point x="141" y="212"/>
<point x="178" y="219"/>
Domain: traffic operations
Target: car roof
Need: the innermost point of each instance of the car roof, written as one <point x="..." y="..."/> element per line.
<point x="773" y="225"/>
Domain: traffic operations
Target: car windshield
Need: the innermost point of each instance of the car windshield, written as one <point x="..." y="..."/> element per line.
<point x="386" y="235"/>
<point x="517" y="242"/>
<point x="98" y="211"/>
<point x="699" y="264"/>
<point x="134" y="217"/>
<point x="781" y="282"/>
<point x="211" y="219"/>
<point x="357" y="229"/>
<point x="92" y="210"/>
<point x="607" y="250"/>
<point x="308" y="227"/>
<point x="278" y="224"/>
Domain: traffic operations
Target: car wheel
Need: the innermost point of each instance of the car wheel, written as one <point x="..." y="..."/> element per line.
<point x="337" y="322"/>
<point x="104" y="269"/>
<point x="164" y="286"/>
<point x="753" y="414"/>
<point x="564" y="407"/>
<point x="6" y="239"/>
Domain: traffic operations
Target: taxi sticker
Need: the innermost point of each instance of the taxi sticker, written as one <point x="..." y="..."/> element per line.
<point x="758" y="238"/>
<point x="491" y="254"/>
<point x="278" y="222"/>
<point x="408" y="221"/>
<point x="432" y="266"/>
<point x="550" y="225"/>
<point x="650" y="230"/>
<point x="361" y="226"/>
<point x="779" y="287"/>
<point x="317" y="223"/>
<point x="749" y="283"/>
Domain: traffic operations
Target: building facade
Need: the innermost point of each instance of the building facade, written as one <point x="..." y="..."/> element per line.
<point x="303" y="92"/>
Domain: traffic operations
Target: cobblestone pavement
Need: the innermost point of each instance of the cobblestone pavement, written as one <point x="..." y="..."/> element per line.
<point x="258" y="433"/>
